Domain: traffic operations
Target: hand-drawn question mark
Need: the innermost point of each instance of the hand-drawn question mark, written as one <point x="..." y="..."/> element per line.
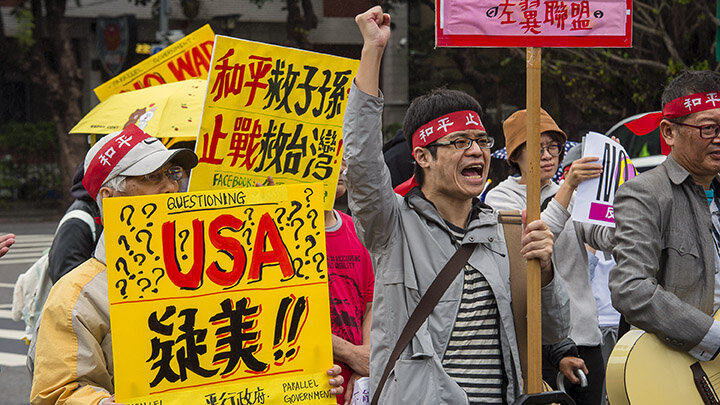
<point x="123" y="288"/>
<point x="141" y="259"/>
<point x="147" y="243"/>
<point x="298" y="266"/>
<point x="184" y="239"/>
<point x="292" y="223"/>
<point x="154" y="208"/>
<point x="162" y="273"/>
<point x="124" y="267"/>
<point x="249" y="215"/>
<point x="122" y="215"/>
<point x="313" y="214"/>
<point x="319" y="262"/>
<point x="297" y="205"/>
<point x="281" y="214"/>
<point x="307" y="197"/>
<point x="142" y="289"/>
<point x="312" y="241"/>
<point x="279" y="217"/>
<point x="248" y="232"/>
<point x="122" y="240"/>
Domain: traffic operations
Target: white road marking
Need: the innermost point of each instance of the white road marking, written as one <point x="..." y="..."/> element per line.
<point x="12" y="359"/>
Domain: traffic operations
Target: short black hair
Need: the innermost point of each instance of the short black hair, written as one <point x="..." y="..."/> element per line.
<point x="691" y="82"/>
<point x="436" y="103"/>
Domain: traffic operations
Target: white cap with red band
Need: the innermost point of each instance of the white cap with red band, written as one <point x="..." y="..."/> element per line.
<point x="130" y="152"/>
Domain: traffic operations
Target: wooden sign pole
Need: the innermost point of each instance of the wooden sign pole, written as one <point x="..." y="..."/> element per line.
<point x="534" y="336"/>
<point x="451" y="30"/>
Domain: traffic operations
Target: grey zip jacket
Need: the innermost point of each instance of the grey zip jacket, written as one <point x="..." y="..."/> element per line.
<point x="410" y="243"/>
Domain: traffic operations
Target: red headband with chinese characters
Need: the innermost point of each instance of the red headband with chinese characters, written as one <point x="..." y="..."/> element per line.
<point x="109" y="156"/>
<point x="679" y="107"/>
<point x="448" y="123"/>
<point x="436" y="129"/>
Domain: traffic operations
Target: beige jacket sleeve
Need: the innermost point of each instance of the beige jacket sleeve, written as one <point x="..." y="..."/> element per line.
<point x="73" y="355"/>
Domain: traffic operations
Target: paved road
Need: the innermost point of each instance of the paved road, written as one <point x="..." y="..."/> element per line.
<point x="31" y="241"/>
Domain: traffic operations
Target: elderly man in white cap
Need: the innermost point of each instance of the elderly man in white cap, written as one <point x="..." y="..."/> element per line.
<point x="73" y="354"/>
<point x="73" y="361"/>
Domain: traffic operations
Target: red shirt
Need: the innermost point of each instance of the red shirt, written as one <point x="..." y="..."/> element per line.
<point x="351" y="281"/>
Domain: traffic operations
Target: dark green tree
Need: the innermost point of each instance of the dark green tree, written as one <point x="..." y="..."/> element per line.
<point x="301" y="18"/>
<point x="44" y="53"/>
<point x="585" y="88"/>
<point x="669" y="36"/>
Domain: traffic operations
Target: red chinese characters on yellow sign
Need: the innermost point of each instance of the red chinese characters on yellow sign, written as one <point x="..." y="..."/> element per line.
<point x="272" y="111"/>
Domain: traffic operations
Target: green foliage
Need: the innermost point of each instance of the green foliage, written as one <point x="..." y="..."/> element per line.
<point x="582" y="88"/>
<point x="29" y="138"/>
<point x="26" y="26"/>
<point x="28" y="156"/>
<point x="701" y="65"/>
<point x="674" y="68"/>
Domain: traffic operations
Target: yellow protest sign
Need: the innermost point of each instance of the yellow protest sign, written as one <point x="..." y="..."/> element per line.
<point x="219" y="295"/>
<point x="271" y="110"/>
<point x="188" y="58"/>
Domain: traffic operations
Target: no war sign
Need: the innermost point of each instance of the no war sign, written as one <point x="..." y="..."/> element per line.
<point x="595" y="197"/>
<point x="188" y="58"/>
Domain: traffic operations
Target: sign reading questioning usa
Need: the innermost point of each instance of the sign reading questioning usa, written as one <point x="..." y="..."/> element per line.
<point x="220" y="296"/>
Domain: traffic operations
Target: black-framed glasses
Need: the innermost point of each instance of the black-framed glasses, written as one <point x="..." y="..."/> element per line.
<point x="174" y="173"/>
<point x="465" y="143"/>
<point x="706" y="131"/>
<point x="553" y="149"/>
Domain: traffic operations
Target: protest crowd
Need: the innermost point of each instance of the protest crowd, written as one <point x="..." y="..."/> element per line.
<point x="420" y="260"/>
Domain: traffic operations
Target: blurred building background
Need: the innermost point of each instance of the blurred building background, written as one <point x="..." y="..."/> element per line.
<point x="49" y="64"/>
<point x="29" y="147"/>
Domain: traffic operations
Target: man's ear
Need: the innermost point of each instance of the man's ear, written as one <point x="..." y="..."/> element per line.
<point x="106" y="192"/>
<point x="422" y="156"/>
<point x="668" y="132"/>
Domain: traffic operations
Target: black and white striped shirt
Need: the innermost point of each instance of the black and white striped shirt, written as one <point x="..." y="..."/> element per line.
<point x="473" y="357"/>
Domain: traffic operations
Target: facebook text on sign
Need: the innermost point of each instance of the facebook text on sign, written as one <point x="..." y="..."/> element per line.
<point x="220" y="296"/>
<point x="272" y="111"/>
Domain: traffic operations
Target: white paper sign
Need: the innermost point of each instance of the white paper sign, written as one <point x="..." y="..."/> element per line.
<point x="594" y="198"/>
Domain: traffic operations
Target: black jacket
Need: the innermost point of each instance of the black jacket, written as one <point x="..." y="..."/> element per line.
<point x="74" y="242"/>
<point x="398" y="159"/>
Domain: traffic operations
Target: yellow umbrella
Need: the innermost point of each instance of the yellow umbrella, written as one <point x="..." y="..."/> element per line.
<point x="170" y="110"/>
